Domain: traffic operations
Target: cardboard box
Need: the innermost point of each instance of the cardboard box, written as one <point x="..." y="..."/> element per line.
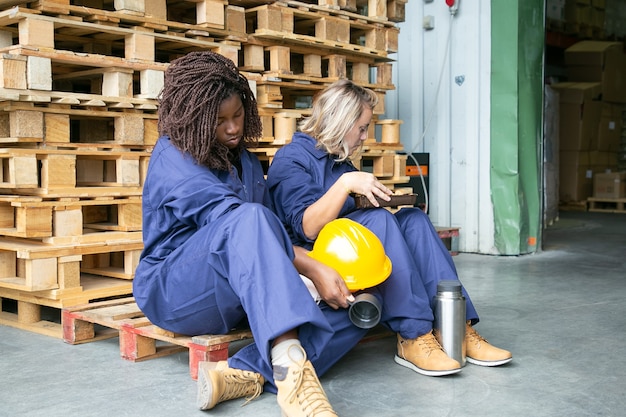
<point x="575" y="176"/>
<point x="598" y="4"/>
<point x="577" y="14"/>
<point x="598" y="61"/>
<point x="610" y="127"/>
<point x="555" y="10"/>
<point x="597" y="18"/>
<point x="609" y="185"/>
<point x="601" y="161"/>
<point x="579" y="115"/>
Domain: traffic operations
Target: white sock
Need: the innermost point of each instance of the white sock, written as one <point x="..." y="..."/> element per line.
<point x="283" y="355"/>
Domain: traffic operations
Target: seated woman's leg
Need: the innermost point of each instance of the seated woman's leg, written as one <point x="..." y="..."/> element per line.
<point x="431" y="256"/>
<point x="410" y="316"/>
<point x="406" y="303"/>
<point x="237" y="268"/>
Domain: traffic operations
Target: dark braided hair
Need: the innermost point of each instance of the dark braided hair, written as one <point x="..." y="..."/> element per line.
<point x="195" y="86"/>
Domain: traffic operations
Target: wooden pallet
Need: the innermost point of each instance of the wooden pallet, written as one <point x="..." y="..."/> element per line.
<point x="374" y="11"/>
<point x="55" y="272"/>
<point x="607" y="205"/>
<point x="40" y="312"/>
<point x="299" y="66"/>
<point x="69" y="219"/>
<point x="38" y="31"/>
<point x="573" y="206"/>
<point x="72" y="120"/>
<point x="450" y="237"/>
<point x="297" y="24"/>
<point x="223" y="20"/>
<point x="138" y="337"/>
<point x="383" y="162"/>
<point x="53" y="172"/>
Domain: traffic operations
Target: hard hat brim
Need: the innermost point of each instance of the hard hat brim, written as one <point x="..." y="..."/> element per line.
<point x="371" y="281"/>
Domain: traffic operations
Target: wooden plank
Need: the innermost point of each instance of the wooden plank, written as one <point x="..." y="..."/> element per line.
<point x="50" y="101"/>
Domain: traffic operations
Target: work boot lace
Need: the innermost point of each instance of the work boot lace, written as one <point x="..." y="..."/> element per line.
<point x="427" y="342"/>
<point x="308" y="391"/>
<point x="240" y="383"/>
<point x="473" y="337"/>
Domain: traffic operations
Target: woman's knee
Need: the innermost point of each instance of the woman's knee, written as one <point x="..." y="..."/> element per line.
<point x="412" y="217"/>
<point x="373" y="219"/>
<point x="254" y="218"/>
<point x="254" y="213"/>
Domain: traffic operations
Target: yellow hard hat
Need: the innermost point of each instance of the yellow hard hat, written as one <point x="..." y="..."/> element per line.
<point x="354" y="251"/>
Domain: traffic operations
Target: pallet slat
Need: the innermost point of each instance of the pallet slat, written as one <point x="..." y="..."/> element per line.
<point x="138" y="337"/>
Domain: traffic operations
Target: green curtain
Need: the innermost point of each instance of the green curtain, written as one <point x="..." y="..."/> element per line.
<point x="517" y="46"/>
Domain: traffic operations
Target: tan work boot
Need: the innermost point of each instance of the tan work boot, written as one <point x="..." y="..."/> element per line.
<point x="218" y="383"/>
<point x="480" y="352"/>
<point x="425" y="356"/>
<point x="300" y="393"/>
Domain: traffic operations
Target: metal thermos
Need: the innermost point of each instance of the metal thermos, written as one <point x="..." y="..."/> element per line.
<point x="449" y="325"/>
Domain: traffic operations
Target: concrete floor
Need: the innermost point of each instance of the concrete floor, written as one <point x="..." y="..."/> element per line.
<point x="561" y="312"/>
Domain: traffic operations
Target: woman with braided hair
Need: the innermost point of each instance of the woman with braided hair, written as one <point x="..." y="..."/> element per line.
<point x="216" y="255"/>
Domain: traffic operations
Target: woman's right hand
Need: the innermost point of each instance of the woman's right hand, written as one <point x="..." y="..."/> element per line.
<point x="331" y="286"/>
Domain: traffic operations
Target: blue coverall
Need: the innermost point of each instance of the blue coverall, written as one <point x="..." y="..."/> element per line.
<point x="215" y="254"/>
<point x="301" y="174"/>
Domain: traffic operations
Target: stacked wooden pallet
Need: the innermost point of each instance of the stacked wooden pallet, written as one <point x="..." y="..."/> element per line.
<point x="294" y="49"/>
<point x="79" y="81"/>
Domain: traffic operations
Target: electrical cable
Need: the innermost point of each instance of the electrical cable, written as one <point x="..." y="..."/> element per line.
<point x="432" y="110"/>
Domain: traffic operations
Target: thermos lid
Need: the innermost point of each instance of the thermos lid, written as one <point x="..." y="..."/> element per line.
<point x="449" y="285"/>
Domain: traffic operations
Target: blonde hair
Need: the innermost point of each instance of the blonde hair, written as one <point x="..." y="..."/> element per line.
<point x="335" y="111"/>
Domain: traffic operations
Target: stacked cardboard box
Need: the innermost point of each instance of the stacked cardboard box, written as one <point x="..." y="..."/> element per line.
<point x="610" y="185"/>
<point x="615" y="18"/>
<point x="579" y="16"/>
<point x="591" y="106"/>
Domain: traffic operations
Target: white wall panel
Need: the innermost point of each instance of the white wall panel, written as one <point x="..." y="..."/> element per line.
<point x="442" y="79"/>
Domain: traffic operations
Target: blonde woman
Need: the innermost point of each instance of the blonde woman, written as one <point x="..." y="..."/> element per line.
<point x="311" y="181"/>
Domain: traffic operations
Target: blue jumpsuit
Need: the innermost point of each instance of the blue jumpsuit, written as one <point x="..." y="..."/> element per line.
<point x="215" y="255"/>
<point x="301" y="174"/>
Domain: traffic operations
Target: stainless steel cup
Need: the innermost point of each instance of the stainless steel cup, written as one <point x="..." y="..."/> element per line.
<point x="365" y="311"/>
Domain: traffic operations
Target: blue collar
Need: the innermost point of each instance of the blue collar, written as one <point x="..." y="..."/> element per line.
<point x="310" y="144"/>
